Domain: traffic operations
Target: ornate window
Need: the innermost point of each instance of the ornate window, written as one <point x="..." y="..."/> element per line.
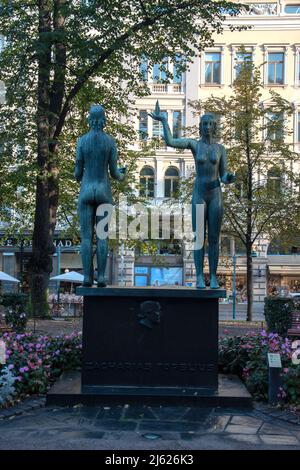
<point x="213" y="68"/>
<point x="157" y="129"/>
<point x="143" y="125"/>
<point x="159" y="72"/>
<point x="275" y="126"/>
<point x="144" y="68"/>
<point x="241" y="58"/>
<point x="171" y="182"/>
<point x="177" y="124"/>
<point x="275" y="68"/>
<point x="147" y="182"/>
<point x="274" y="180"/>
<point x="292" y="9"/>
<point x="177" y="76"/>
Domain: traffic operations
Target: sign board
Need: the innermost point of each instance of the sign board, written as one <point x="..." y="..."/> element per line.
<point x="27" y="243"/>
<point x="296" y="353"/>
<point x="2" y="352"/>
<point x="274" y="360"/>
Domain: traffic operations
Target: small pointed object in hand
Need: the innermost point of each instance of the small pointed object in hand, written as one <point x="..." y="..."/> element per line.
<point x="157" y="108"/>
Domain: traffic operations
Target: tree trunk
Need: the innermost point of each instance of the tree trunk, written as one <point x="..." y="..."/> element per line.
<point x="41" y="259"/>
<point x="249" y="281"/>
<point x="249" y="242"/>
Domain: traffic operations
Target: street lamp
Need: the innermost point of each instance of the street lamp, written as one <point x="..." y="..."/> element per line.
<point x="58" y="270"/>
<point x="234" y="286"/>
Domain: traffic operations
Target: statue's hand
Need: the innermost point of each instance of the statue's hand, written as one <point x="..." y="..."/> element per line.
<point x="157" y="115"/>
<point x="229" y="178"/>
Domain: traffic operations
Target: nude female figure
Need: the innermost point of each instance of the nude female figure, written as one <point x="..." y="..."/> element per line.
<point x="211" y="167"/>
<point x="96" y="153"/>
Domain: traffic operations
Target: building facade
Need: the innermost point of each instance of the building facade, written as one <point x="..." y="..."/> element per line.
<point x="273" y="43"/>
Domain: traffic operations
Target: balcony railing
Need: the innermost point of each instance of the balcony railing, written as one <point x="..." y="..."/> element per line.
<point x="177" y="88"/>
<point x="159" y="88"/>
<point x="166" y="88"/>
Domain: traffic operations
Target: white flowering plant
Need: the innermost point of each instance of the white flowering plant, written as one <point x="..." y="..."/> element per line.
<point x="7" y="389"/>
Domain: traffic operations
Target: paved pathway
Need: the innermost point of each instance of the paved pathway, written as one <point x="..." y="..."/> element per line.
<point x="134" y="427"/>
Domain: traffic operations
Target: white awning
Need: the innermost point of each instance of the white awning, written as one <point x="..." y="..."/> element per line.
<point x="69" y="277"/>
<point x="7" y="278"/>
<point x="285" y="270"/>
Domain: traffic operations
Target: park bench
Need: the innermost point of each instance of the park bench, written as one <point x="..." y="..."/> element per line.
<point x="295" y="328"/>
<point x="5" y="329"/>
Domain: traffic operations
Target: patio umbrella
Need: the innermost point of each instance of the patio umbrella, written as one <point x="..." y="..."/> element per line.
<point x="7" y="277"/>
<point x="71" y="276"/>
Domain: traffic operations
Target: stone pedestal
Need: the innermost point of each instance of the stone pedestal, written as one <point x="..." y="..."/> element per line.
<point x="146" y="337"/>
<point x="147" y="342"/>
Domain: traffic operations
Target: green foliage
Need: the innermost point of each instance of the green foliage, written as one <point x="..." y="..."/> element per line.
<point x="246" y="356"/>
<point x="77" y="69"/>
<point x="61" y="57"/>
<point x="16" y="310"/>
<point x="277" y="312"/>
<point x="291" y="385"/>
<point x="37" y="361"/>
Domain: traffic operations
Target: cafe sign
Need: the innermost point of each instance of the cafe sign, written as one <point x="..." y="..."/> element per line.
<point x="14" y="242"/>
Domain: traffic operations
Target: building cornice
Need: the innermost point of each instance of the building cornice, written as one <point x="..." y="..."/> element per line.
<point x="266" y="23"/>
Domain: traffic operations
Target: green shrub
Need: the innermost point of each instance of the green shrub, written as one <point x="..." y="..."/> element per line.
<point x="277" y="312"/>
<point x="37" y="360"/>
<point x="16" y="310"/>
<point x="246" y="356"/>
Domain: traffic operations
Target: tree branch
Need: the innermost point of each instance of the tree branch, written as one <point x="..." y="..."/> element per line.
<point x="105" y="55"/>
<point x="58" y="85"/>
<point x="237" y="223"/>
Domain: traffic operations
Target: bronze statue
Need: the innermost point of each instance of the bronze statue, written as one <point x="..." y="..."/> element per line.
<point x="96" y="153"/>
<point x="211" y="167"/>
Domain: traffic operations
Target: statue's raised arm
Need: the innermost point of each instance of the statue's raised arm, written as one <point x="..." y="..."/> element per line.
<point x="169" y="139"/>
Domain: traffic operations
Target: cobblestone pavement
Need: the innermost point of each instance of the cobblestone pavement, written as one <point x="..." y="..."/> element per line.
<point x="135" y="427"/>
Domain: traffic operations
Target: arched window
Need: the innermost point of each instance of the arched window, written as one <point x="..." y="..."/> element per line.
<point x="147" y="181"/>
<point x="171" y="182"/>
<point x="274" y="180"/>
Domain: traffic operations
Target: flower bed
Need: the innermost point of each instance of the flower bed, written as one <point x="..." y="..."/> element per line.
<point x="35" y="362"/>
<point x="246" y="356"/>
